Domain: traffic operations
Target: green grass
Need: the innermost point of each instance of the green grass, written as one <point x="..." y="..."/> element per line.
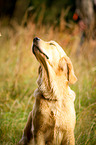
<point x="18" y="74"/>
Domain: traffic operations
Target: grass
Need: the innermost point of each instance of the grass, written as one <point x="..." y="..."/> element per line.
<point x="18" y="74"/>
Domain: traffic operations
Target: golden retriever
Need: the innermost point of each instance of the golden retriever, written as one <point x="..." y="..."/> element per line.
<point x="52" y="120"/>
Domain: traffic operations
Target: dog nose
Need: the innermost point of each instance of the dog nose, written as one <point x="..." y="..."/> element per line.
<point x="36" y="39"/>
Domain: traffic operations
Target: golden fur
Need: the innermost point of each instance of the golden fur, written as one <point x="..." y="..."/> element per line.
<point x="52" y="120"/>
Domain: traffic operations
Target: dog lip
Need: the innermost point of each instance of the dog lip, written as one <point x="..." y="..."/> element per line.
<point x="36" y="47"/>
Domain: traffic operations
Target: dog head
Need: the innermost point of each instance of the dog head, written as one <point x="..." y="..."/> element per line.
<point x="51" y="55"/>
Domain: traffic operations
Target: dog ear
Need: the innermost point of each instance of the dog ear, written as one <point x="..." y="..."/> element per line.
<point x="63" y="66"/>
<point x="71" y="75"/>
<point x="66" y="65"/>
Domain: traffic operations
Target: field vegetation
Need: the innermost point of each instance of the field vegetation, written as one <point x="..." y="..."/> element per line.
<point x="18" y="74"/>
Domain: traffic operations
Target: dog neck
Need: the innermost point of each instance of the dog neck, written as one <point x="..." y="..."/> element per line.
<point x="49" y="99"/>
<point x="50" y="84"/>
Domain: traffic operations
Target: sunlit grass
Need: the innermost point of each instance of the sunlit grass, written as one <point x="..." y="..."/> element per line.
<point x="18" y="74"/>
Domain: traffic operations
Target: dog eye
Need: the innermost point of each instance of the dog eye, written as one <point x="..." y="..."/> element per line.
<point x="52" y="44"/>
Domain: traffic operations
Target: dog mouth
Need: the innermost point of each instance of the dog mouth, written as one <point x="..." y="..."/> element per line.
<point x="35" y="48"/>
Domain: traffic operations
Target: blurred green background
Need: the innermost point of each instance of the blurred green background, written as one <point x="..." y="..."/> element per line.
<point x="49" y="10"/>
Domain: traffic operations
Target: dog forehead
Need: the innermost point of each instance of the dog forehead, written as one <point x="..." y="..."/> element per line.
<point x="58" y="47"/>
<point x="47" y="45"/>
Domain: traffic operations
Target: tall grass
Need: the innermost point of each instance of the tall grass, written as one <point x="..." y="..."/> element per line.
<point x="18" y="74"/>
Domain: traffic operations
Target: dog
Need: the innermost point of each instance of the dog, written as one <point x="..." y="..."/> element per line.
<point x="52" y="120"/>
